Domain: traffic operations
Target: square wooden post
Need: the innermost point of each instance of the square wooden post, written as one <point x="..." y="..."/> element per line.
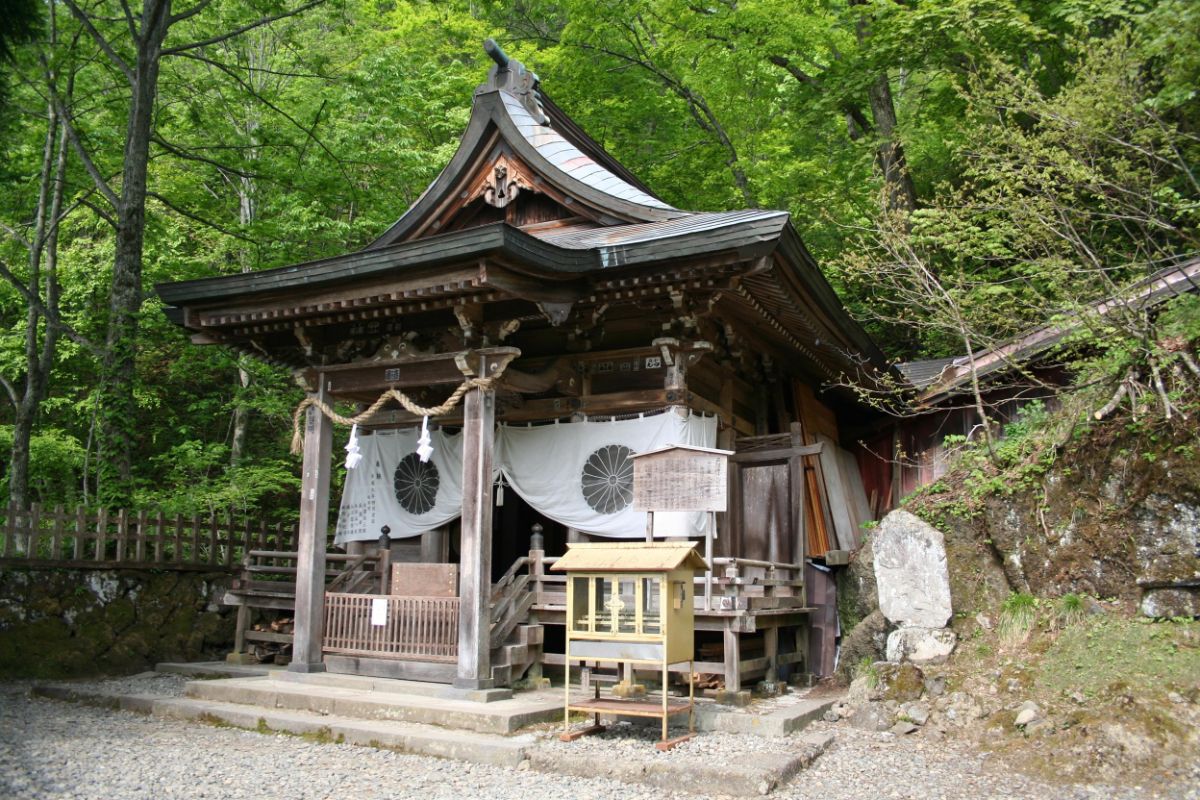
<point x="475" y="584"/>
<point x="314" y="525"/>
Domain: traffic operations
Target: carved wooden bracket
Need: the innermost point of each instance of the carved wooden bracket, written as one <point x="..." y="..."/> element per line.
<point x="503" y="182"/>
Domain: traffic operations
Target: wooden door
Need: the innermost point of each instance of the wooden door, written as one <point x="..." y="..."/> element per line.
<point x="766" y="509"/>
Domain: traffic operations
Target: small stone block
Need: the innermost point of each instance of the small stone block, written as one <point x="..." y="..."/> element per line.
<point x="769" y="688"/>
<point x="240" y="658"/>
<point x="804" y="680"/>
<point x="624" y="689"/>
<point x="728" y="698"/>
<point x="539" y="683"/>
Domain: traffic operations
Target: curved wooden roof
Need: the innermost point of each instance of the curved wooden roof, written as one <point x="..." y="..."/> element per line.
<point x="531" y="210"/>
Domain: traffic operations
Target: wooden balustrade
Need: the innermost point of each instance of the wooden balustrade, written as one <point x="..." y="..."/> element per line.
<point x="85" y="538"/>
<point x="414" y="628"/>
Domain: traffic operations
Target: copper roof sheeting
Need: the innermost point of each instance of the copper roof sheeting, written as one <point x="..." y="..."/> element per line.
<point x="584" y="237"/>
<point x="564" y="155"/>
<point x="629" y="557"/>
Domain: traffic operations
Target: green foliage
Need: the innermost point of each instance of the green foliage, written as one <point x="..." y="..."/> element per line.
<point x="1018" y="613"/>
<point x="1102" y="654"/>
<point x="55" y="465"/>
<point x="1070" y="608"/>
<point x="308" y="137"/>
<point x="865" y="668"/>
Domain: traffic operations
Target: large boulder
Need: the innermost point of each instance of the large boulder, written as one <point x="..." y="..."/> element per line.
<point x="910" y="571"/>
<point x="921" y="645"/>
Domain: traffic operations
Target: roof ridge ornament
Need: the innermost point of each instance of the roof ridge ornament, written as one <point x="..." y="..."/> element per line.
<point x="511" y="76"/>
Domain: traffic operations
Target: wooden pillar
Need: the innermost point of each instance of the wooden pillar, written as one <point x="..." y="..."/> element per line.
<point x="314" y="524"/>
<point x="733" y="660"/>
<point x="475" y="584"/>
<point x="433" y="546"/>
<point x="771" y="651"/>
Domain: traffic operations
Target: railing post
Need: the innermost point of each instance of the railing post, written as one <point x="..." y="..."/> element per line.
<point x="56" y="540"/>
<point x="80" y="532"/>
<point x="10" y="531"/>
<point x="34" y="531"/>
<point x="122" y="533"/>
<point x="101" y="533"/>
<point x="139" y="550"/>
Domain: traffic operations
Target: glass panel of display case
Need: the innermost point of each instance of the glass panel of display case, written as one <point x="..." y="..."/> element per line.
<point x="579" y="607"/>
<point x="651" y="606"/>
<point x="625" y="606"/>
<point x="602" y="610"/>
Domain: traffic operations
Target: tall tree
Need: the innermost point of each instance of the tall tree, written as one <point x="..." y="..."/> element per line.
<point x="135" y="45"/>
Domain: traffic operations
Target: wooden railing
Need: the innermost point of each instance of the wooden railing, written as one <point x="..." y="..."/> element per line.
<point x="103" y="539"/>
<point x="414" y="628"/>
<point x="512" y="597"/>
<point x="739" y="585"/>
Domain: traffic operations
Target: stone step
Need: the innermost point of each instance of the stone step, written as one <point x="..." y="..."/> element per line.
<point x="480" y="748"/>
<point x="751" y="777"/>
<point x="354" y="702"/>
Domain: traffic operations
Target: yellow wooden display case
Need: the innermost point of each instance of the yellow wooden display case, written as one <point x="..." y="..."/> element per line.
<point x="630" y="603"/>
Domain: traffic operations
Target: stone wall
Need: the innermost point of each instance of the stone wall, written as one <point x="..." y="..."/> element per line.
<point x="58" y="623"/>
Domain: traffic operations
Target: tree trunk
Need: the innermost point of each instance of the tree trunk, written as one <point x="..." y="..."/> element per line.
<point x="39" y="349"/>
<point x="125" y="298"/>
<point x="900" y="193"/>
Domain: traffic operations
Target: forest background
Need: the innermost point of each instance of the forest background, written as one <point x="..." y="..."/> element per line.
<point x="962" y="170"/>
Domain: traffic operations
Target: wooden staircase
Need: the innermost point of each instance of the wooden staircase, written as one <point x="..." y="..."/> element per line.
<point x="514" y="638"/>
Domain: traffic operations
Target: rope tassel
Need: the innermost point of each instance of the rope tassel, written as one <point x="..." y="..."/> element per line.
<point x="391" y="394"/>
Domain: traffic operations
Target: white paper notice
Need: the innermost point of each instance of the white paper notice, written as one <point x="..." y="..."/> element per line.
<point x="379" y="611"/>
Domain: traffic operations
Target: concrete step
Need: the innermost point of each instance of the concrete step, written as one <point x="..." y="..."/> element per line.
<point x="788" y="719"/>
<point x="480" y="748"/>
<point x="354" y="702"/>
<point x="749" y="777"/>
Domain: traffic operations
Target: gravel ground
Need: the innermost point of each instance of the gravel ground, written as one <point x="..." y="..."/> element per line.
<point x="61" y="750"/>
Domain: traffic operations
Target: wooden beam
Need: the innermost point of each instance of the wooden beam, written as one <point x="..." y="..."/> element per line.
<point x="475" y="586"/>
<point x="423" y="370"/>
<point x="314" y="524"/>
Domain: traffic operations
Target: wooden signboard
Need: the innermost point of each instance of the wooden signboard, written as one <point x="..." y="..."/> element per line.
<point x="424" y="580"/>
<point x="681" y="478"/>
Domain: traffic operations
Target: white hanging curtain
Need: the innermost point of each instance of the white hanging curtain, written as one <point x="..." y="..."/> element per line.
<point x="392" y="486"/>
<point x="575" y="473"/>
<point x="579" y="474"/>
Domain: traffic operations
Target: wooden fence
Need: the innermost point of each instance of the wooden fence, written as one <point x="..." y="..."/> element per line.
<point x="414" y="628"/>
<point x="102" y="539"/>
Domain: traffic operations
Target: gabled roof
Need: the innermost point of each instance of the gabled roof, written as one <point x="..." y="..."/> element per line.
<point x="629" y="557"/>
<point x="509" y="108"/>
<point x="952" y="378"/>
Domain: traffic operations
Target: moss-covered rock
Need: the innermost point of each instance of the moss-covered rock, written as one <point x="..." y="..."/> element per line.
<point x="68" y="623"/>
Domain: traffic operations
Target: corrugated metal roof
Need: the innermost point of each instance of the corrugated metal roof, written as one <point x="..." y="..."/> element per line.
<point x="629" y="557"/>
<point x="1157" y="288"/>
<point x="922" y="373"/>
<point x="571" y="160"/>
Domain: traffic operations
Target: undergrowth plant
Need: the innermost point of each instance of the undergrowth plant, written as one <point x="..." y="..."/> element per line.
<point x="1018" y="613"/>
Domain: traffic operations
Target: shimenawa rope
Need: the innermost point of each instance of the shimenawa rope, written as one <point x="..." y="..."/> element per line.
<point x="391" y="394"/>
